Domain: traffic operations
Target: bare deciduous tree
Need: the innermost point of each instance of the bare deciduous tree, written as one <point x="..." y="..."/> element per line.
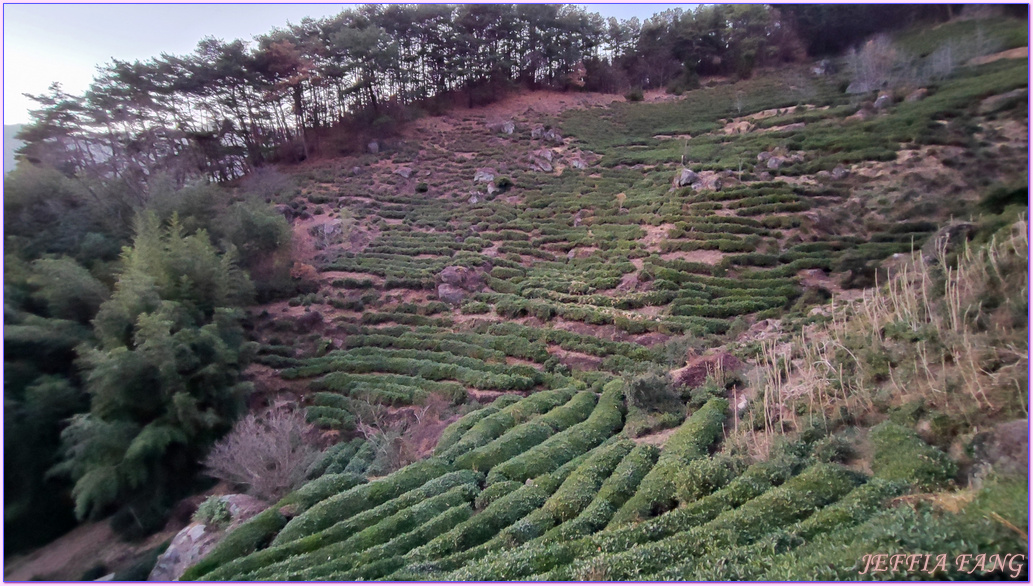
<point x="269" y="453"/>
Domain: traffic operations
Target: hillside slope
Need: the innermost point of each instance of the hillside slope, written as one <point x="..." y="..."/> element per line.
<point x="584" y="279"/>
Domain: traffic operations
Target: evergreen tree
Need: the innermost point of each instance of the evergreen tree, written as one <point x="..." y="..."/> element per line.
<point x="162" y="378"/>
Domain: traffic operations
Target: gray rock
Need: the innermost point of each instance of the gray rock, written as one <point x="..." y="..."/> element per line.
<point x="761" y="157"/>
<point x="506" y="127"/>
<point x="578" y="163"/>
<point x="794" y="126"/>
<point x="840" y="173"/>
<point x="823" y="174"/>
<point x="537" y="132"/>
<point x="764" y="176"/>
<point x="452" y="276"/>
<point x="882" y="102"/>
<point x="685" y="177"/>
<point x="191" y="544"/>
<point x="474" y="199"/>
<point x="775" y="162"/>
<point x="374" y="147"/>
<point x="541" y="165"/>
<point x="552" y="136"/>
<point x="484" y="175"/>
<point x="451" y="294"/>
<point x="542" y="154"/>
<point x="492" y="190"/>
<point x="404" y="172"/>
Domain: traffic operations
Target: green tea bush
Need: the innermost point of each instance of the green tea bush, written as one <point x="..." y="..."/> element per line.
<point x="456" y="430"/>
<point x="813" y="489"/>
<point x="380" y="560"/>
<point x="605" y="420"/>
<point x="407" y="519"/>
<point x="899" y="454"/>
<point x="346" y="528"/>
<point x="494" y="492"/>
<point x="656" y="493"/>
<point x="613" y="493"/>
<point x="350" y="502"/>
<point x="493" y="426"/>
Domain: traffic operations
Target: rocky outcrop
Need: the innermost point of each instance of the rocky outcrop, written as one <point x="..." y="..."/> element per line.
<point x="404" y="172"/>
<point x="484" y="175"/>
<point x="505" y="127"/>
<point x="191" y="544"/>
<point x="457" y="283"/>
<point x="685" y="178"/>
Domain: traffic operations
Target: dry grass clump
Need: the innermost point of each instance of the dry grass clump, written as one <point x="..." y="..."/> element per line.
<point x="950" y="328"/>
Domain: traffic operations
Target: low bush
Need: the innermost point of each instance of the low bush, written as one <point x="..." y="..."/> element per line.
<point x="351" y="502"/>
<point x="899" y="454"/>
<point x="656" y="493"/>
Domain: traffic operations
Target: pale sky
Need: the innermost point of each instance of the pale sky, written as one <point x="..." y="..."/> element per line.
<point x="44" y="43"/>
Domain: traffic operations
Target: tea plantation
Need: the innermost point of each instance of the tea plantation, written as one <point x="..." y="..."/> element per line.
<point x="548" y="293"/>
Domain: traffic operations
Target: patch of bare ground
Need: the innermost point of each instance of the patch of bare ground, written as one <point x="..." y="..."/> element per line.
<point x="486" y="396"/>
<point x="85" y="547"/>
<point x="575" y="360"/>
<point x="1016" y="53"/>
<point x="709" y="257"/>
<point x="746" y="124"/>
<point x="470" y="321"/>
<point x="514" y="361"/>
<point x="655" y="235"/>
<point x="657" y="439"/>
<point x="577" y="327"/>
<point x="330" y="276"/>
<point x="270" y="388"/>
<point x="651" y="339"/>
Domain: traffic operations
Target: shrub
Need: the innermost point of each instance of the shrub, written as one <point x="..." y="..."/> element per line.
<point x="213" y="511"/>
<point x="899" y="454"/>
<point x="656" y="494"/>
<point x="494" y="492"/>
<point x="350" y="502"/>
<point x="269" y="453"/>
<point x="605" y="420"/>
<point x="635" y="95"/>
<point x="703" y="476"/>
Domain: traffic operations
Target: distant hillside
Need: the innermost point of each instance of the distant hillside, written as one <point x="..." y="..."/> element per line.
<point x="11" y="144"/>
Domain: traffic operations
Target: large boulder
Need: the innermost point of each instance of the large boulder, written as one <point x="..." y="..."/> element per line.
<point x="541" y="165"/>
<point x="774" y="162"/>
<point x="451" y="294"/>
<point x="685" y="178"/>
<point x="883" y="101"/>
<point x="484" y="175"/>
<point x="506" y="127"/>
<point x="404" y="172"/>
<point x="191" y="544"/>
<point x="553" y="136"/>
<point x="374" y="147"/>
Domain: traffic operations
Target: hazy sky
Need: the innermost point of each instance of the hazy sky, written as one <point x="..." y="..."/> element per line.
<point x="44" y="43"/>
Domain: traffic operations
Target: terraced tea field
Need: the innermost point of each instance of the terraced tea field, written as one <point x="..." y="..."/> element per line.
<point x="501" y="293"/>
